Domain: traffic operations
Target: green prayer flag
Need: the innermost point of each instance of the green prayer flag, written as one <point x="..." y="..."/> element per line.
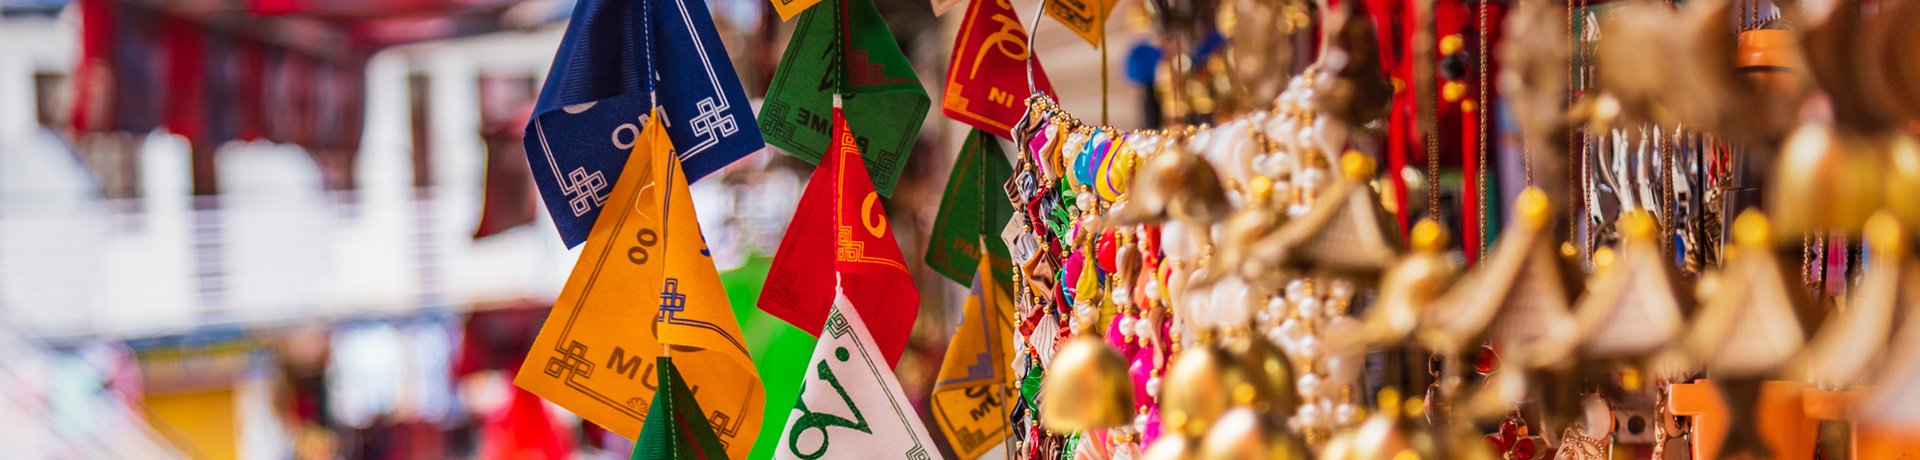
<point x="779" y="350"/>
<point x="881" y="95"/>
<point x="970" y="209"/>
<point x="676" y="427"/>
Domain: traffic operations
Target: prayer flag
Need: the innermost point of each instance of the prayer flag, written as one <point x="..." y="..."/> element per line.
<point x="882" y="94"/>
<point x="969" y="209"/>
<point x="680" y="429"/>
<point x="645" y="282"/>
<point x="598" y="94"/>
<point x="1086" y="18"/>
<point x="987" y="83"/>
<point x="970" y="398"/>
<point x="851" y="405"/>
<point x="789" y="8"/>
<point x="840" y="223"/>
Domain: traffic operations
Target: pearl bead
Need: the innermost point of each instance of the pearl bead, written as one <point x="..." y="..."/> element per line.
<point x="1292" y="330"/>
<point x="1084" y="201"/>
<point x="1309" y="415"/>
<point x="1309" y="307"/>
<point x="1126" y="325"/>
<point x="1297" y="289"/>
<point x="1143" y="328"/>
<point x="1310" y="178"/>
<point x="1346" y="414"/>
<point x="1308" y="385"/>
<point x="1340" y="289"/>
<point x="1153" y="289"/>
<point x="1310" y="347"/>
<point x="1153" y="387"/>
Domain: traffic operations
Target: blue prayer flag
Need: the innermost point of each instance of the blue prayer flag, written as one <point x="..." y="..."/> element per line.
<point x="596" y="98"/>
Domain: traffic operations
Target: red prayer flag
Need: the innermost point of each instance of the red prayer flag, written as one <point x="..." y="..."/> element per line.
<point x="840" y="223"/>
<point x="987" y="82"/>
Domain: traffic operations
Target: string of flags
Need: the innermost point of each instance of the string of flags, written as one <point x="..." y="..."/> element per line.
<point x="641" y="100"/>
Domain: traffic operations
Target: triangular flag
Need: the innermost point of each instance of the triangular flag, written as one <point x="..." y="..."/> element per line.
<point x="1086" y="18"/>
<point x="851" y="405"/>
<point x="596" y="97"/>
<point x="882" y="94"/>
<point x="840" y="223"/>
<point x="523" y="429"/>
<point x="789" y="8"/>
<point x="987" y="81"/>
<point x="970" y="399"/>
<point x="679" y="429"/>
<point x="644" y="281"/>
<point x="969" y="209"/>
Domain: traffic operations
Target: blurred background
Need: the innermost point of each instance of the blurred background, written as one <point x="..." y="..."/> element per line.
<point x="305" y="229"/>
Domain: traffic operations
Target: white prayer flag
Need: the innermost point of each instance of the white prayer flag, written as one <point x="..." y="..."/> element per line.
<point x="851" y="406"/>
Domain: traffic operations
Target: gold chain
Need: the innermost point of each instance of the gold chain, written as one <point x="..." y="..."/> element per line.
<point x="1573" y="130"/>
<point x="1432" y="96"/>
<point x="1481" y="107"/>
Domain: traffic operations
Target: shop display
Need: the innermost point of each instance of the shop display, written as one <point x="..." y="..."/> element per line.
<point x="1338" y="230"/>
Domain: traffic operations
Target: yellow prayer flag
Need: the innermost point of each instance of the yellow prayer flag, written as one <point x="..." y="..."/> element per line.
<point x="970" y="398"/>
<point x="1086" y="18"/>
<point x="645" y="284"/>
<point x="790" y="8"/>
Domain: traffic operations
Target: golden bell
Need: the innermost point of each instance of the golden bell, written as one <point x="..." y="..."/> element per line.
<point x="1633" y="307"/>
<point x="1750" y="326"/>
<point x="1086" y="388"/>
<point x="1200" y="385"/>
<point x="1825" y="179"/>
<point x="1244" y="434"/>
<point x="1272" y="373"/>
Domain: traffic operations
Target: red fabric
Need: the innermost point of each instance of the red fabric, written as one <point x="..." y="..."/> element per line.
<point x="522" y="430"/>
<point x="93" y="87"/>
<point x="987" y="80"/>
<point x="252" y="91"/>
<point x="186" y="71"/>
<point x="840" y="223"/>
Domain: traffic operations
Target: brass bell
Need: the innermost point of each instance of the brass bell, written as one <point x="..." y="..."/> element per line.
<point x="1518" y="296"/>
<point x="1201" y="383"/>
<point x="1244" y="434"/>
<point x="1272" y="373"/>
<point x="1345" y="232"/>
<point x="1086" y="388"/>
<point x="1633" y="306"/>
<point x="1750" y="326"/>
<point x="1825" y="179"/>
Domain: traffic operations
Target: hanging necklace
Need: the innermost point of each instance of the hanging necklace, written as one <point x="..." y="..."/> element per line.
<point x="1481" y="107"/>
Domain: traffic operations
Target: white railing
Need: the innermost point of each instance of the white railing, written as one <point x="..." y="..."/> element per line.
<point x="126" y="269"/>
